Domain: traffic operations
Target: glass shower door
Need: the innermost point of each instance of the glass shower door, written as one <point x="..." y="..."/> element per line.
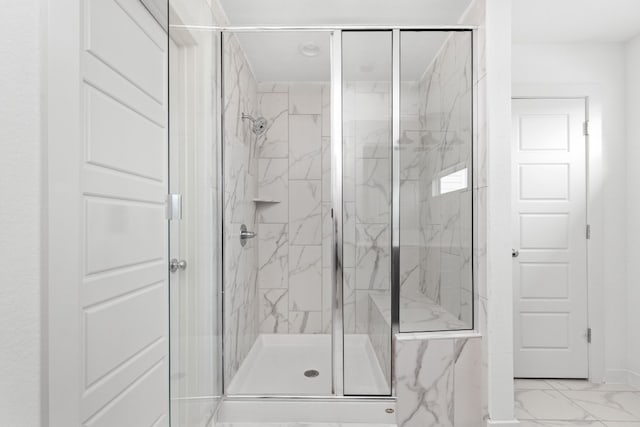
<point x="277" y="228"/>
<point x="195" y="346"/>
<point x="367" y="191"/>
<point x="436" y="290"/>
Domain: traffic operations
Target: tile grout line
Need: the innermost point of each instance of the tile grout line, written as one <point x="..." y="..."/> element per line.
<point x="579" y="405"/>
<point x="619" y="408"/>
<point x="554" y="384"/>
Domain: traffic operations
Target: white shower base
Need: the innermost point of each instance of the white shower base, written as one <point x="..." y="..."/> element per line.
<point x="276" y="364"/>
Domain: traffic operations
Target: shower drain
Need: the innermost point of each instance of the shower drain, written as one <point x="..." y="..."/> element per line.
<point x="311" y="373"/>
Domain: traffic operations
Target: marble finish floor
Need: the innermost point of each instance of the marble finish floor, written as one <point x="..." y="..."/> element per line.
<point x="576" y="403"/>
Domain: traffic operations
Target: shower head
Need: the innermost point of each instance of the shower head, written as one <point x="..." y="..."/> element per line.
<point x="258" y="125"/>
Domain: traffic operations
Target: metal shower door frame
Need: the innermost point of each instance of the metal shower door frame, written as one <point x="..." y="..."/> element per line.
<point x="337" y="295"/>
<point x="336" y="85"/>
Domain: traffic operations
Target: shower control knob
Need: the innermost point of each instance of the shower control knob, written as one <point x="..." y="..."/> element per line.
<point x="245" y="234"/>
<point x="175" y="265"/>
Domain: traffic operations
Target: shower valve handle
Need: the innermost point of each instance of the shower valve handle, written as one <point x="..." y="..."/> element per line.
<point x="245" y="235"/>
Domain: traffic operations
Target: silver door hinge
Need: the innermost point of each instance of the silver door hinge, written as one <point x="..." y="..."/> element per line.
<point x="585" y="128"/>
<point x="589" y="335"/>
<point x="588" y="231"/>
<point x="174" y="206"/>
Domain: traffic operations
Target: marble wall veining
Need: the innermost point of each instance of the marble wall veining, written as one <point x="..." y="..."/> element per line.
<point x="443" y="380"/>
<point x="294" y="226"/>
<point x="436" y="141"/>
<point x="439" y="383"/>
<point x="288" y="191"/>
<point x="367" y="201"/>
<point x="294" y="221"/>
<point x="240" y="188"/>
<point x="367" y="215"/>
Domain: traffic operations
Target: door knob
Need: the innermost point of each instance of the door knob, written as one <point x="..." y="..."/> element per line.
<point x="515" y="253"/>
<point x="175" y="265"/>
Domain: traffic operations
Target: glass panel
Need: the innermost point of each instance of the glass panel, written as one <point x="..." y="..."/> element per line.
<point x="366" y="67"/>
<point x="435" y="181"/>
<point x="277" y="169"/>
<point x="195" y="322"/>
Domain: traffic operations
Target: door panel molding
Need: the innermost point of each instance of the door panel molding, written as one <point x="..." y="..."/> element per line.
<point x="549" y="220"/>
<point x="105" y="316"/>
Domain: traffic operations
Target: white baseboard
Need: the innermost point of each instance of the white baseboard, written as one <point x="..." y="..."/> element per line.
<point x="634" y="379"/>
<point x="616" y="376"/>
<point x="509" y="423"/>
<point x="623" y="376"/>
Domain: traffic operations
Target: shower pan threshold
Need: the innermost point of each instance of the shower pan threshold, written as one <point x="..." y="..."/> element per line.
<point x="302" y="424"/>
<point x="318" y="413"/>
<point x="300" y="365"/>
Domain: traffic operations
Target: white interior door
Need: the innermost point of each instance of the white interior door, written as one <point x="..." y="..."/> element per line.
<point x="549" y="233"/>
<point x="125" y="298"/>
<point x="108" y="169"/>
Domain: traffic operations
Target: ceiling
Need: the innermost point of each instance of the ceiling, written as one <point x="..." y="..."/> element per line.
<point x="367" y="57"/>
<point x="571" y="21"/>
<point x="277" y="57"/>
<point x="344" y="12"/>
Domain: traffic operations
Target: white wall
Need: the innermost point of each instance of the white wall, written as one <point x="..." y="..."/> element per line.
<point x="601" y="66"/>
<point x="20" y="214"/>
<point x="499" y="293"/>
<point x="633" y="206"/>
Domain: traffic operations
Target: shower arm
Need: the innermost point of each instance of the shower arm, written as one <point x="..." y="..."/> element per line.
<point x="258" y="124"/>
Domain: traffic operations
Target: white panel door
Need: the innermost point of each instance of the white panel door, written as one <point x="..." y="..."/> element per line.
<point x="123" y="293"/>
<point x="549" y="231"/>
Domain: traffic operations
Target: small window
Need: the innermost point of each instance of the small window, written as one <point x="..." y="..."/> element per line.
<point x="454" y="181"/>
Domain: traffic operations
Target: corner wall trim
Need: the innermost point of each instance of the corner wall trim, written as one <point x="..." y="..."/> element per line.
<point x="634" y="379"/>
<point x="617" y="376"/>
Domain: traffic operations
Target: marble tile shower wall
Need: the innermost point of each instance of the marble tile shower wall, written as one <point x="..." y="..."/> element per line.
<point x="444" y="381"/>
<point x="241" y="168"/>
<point x="294" y="169"/>
<point x="438" y="139"/>
<point x="367" y="205"/>
<point x="294" y="228"/>
<point x="439" y="383"/>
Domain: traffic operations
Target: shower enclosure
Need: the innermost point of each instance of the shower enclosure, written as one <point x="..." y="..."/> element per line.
<point x="325" y="176"/>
